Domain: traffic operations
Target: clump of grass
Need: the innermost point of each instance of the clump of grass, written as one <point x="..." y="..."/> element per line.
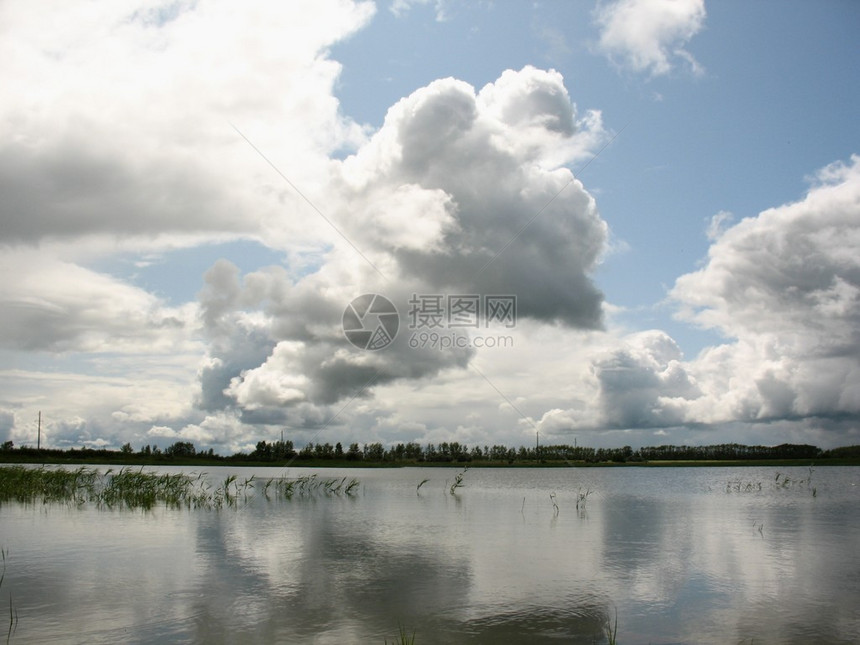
<point x="351" y="487"/>
<point x="611" y="629"/>
<point x="309" y="484"/>
<point x="231" y="490"/>
<point x="31" y="485"/>
<point x="330" y="487"/>
<point x="739" y="486"/>
<point x="131" y="488"/>
<point x="582" y="498"/>
<point x="788" y="482"/>
<point x="139" y="489"/>
<point x="781" y="481"/>
<point x="458" y="481"/>
<point x="266" y="485"/>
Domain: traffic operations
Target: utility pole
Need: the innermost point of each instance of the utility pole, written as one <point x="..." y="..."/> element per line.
<point x="39" y="435"/>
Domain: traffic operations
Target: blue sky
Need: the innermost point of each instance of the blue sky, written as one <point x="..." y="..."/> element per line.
<point x="694" y="279"/>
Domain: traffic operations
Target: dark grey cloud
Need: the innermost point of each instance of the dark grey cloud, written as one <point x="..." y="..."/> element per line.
<point x="55" y="306"/>
<point x="277" y="351"/>
<point x="641" y="382"/>
<point x="85" y="185"/>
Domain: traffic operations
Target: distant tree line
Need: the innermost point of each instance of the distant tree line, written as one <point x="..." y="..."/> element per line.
<point x="444" y="452"/>
<point x="126" y="454"/>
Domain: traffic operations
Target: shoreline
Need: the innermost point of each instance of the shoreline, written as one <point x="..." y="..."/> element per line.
<point x="331" y="463"/>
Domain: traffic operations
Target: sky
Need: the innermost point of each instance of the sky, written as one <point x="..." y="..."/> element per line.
<point x="625" y="222"/>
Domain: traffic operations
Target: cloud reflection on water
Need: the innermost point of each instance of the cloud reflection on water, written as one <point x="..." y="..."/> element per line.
<point x="681" y="559"/>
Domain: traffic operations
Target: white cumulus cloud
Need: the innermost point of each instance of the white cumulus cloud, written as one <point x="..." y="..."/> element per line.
<point x="459" y="192"/>
<point x="784" y="289"/>
<point x="650" y="36"/>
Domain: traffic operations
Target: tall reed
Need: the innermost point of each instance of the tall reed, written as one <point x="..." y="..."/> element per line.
<point x="458" y="480"/>
<point x="582" y="498"/>
<point x="13" y="613"/>
<point x="403" y="637"/>
<point x="611" y="629"/>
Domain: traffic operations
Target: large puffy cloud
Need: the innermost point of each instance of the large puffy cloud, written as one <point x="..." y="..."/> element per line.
<point x="650" y="35"/>
<point x="634" y="381"/>
<point x="784" y="288"/>
<point x="640" y="381"/>
<point x="277" y="352"/>
<point x="496" y="213"/>
<point x="786" y="285"/>
<point x="792" y="271"/>
<point x="459" y="192"/>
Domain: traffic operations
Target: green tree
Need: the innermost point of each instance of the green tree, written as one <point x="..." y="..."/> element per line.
<point x="324" y="451"/>
<point x="374" y="451"/>
<point x="181" y="449"/>
<point x="354" y="452"/>
<point x="262" y="451"/>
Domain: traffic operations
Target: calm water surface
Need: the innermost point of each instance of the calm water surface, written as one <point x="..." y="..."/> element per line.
<point x="684" y="555"/>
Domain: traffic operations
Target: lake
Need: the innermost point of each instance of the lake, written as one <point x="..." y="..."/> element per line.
<point x="680" y="555"/>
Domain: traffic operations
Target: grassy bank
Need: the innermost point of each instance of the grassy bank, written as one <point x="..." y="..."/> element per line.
<point x="97" y="457"/>
<point x="375" y="455"/>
